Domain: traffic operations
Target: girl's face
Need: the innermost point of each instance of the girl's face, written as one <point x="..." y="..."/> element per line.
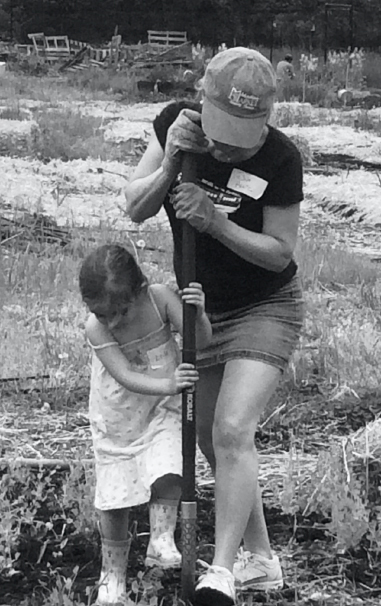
<point x="113" y="314"/>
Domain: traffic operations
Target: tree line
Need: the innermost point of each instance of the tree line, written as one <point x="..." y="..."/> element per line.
<point x="306" y="24"/>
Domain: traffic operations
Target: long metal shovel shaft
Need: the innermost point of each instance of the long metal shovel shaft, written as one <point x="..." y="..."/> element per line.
<point x="188" y="505"/>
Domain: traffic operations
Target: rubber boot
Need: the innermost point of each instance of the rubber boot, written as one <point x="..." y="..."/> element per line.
<point x="112" y="582"/>
<point x="162" y="550"/>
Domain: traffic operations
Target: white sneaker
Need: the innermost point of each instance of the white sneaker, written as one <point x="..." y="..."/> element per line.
<point x="255" y="572"/>
<point x="163" y="553"/>
<point x="215" y="588"/>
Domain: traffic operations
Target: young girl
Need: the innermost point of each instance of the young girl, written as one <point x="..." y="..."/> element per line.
<point x="135" y="409"/>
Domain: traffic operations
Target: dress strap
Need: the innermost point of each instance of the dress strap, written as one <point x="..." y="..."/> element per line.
<point x="155" y="306"/>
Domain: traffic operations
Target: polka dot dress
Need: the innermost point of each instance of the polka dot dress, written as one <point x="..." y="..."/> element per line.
<point x="136" y="437"/>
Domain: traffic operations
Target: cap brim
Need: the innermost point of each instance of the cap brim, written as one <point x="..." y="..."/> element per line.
<point x="231" y="130"/>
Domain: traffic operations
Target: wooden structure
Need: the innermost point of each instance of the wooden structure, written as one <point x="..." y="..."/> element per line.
<point x="53" y="49"/>
<point x="165" y="48"/>
<point x="166" y="38"/>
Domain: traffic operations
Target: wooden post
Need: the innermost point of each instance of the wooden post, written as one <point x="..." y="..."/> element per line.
<point x="273" y="27"/>
<point x="11" y="20"/>
<point x="116" y="41"/>
<point x="351" y="26"/>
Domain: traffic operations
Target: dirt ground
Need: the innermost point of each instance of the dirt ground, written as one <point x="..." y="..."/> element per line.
<point x="315" y="572"/>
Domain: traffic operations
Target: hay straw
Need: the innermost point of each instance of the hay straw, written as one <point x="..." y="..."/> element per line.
<point x="365" y="443"/>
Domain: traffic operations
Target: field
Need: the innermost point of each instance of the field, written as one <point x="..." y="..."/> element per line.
<point x="65" y="156"/>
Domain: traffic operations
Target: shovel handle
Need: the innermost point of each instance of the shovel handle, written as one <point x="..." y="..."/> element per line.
<point x="189" y="343"/>
<point x="188" y="505"/>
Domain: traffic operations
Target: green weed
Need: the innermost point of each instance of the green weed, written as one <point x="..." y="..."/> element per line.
<point x="342" y="294"/>
<point x="94" y="80"/>
<point x="68" y="135"/>
<point x="322" y="262"/>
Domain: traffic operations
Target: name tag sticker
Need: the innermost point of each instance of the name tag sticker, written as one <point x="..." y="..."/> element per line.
<point x="247" y="184"/>
<point x="158" y="356"/>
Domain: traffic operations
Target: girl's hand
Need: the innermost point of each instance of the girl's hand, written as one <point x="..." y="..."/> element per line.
<point x="193" y="204"/>
<point x="185" y="134"/>
<point x="185" y="375"/>
<point x="194" y="295"/>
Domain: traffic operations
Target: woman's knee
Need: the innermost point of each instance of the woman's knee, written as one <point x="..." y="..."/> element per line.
<point x="232" y="436"/>
<point x="246" y="388"/>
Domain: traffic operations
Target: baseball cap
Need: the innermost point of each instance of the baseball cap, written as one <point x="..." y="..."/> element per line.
<point x="239" y="90"/>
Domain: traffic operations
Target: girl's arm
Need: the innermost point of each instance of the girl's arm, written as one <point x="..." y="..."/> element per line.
<point x="113" y="359"/>
<point x="170" y="306"/>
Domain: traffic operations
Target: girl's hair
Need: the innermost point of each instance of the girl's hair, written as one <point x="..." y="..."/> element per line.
<point x="111" y="270"/>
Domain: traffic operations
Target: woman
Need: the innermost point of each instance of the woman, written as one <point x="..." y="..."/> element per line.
<point x="245" y="210"/>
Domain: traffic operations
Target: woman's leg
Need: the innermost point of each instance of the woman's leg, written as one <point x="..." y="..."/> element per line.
<point x="235" y="422"/>
<point x="246" y="388"/>
<point x="256" y="538"/>
<point x="208" y="389"/>
<point x="232" y="403"/>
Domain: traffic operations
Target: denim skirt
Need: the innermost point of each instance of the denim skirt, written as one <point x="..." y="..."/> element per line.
<point x="267" y="331"/>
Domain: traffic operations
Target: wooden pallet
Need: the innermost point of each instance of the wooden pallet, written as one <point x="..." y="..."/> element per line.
<point x="166" y="38"/>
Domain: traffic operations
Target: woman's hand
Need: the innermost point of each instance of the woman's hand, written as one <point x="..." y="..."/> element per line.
<point x="192" y="204"/>
<point x="185" y="134"/>
<point x="194" y="295"/>
<point x="185" y="376"/>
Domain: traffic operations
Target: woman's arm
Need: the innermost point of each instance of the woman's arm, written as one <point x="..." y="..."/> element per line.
<point x="271" y="249"/>
<point x="116" y="364"/>
<point x="150" y="183"/>
<point x="159" y="167"/>
<point x="171" y="307"/>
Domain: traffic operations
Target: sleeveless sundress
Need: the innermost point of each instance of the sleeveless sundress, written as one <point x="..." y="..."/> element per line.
<point x="136" y="437"/>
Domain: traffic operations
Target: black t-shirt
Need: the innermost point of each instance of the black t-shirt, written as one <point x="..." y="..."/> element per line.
<point x="229" y="281"/>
